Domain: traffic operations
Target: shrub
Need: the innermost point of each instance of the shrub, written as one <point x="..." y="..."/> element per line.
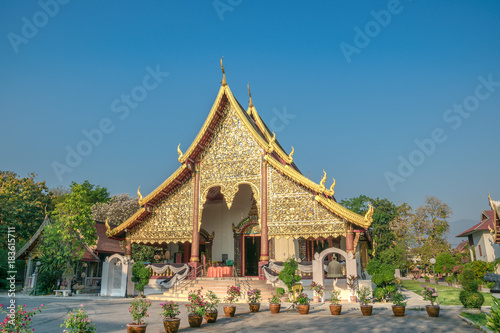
<point x="78" y="321"/>
<point x="280" y="291"/>
<point x="468" y="280"/>
<point x="399" y="299"/>
<point x="494" y="319"/>
<point x="380" y="293"/>
<point x="140" y="276"/>
<point x="471" y="299"/>
<point x="139" y="309"/>
<point x="287" y="274"/>
<point x="302" y="299"/>
<point x="22" y="319"/>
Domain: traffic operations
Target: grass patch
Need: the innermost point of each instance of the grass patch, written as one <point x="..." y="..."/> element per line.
<point x="479" y="319"/>
<point x="447" y="295"/>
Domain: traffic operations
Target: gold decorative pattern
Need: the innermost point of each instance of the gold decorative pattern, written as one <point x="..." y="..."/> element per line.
<point x="293" y="212"/>
<point x="179" y="152"/>
<point x="170" y="220"/>
<point x="331" y="191"/>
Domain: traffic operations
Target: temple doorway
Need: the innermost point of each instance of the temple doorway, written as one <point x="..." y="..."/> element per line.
<point x="252" y="255"/>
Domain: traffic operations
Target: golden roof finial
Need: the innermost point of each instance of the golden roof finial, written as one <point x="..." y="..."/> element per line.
<point x="331" y="192"/>
<point x="250" y="103"/>
<point x="139" y="194"/>
<point x="323" y="181"/>
<point x="224" y="82"/>
<point x="108" y="228"/>
<point x="291" y="155"/>
<point x="179" y="152"/>
<point x="369" y="215"/>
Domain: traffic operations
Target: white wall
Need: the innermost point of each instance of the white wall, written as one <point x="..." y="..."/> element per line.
<point x="217" y="218"/>
<point x="490" y="250"/>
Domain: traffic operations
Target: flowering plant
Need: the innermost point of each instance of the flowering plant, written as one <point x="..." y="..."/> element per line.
<point x="212" y="301"/>
<point x="399" y="299"/>
<point x="274" y="299"/>
<point x="318" y="288"/>
<point x="302" y="299"/>
<point x="233" y="293"/>
<point x="253" y="296"/>
<point x="19" y="320"/>
<point x="169" y="310"/>
<point x="78" y="321"/>
<point x="364" y="295"/>
<point x="197" y="306"/>
<point x="429" y="294"/>
<point x="334" y="297"/>
<point x="139" y="309"/>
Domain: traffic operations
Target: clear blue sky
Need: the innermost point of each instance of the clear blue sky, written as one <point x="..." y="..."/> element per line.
<point x="358" y="100"/>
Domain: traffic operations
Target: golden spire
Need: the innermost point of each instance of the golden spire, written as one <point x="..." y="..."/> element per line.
<point x="224" y="82"/>
<point x="250" y="103"/>
<point x="291" y="155"/>
<point x="139" y="194"/>
<point x="323" y="181"/>
<point x="179" y="152"/>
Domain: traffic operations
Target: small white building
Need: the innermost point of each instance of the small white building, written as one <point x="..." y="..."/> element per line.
<point x="481" y="238"/>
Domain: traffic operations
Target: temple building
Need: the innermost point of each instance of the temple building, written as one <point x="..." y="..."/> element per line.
<point x="238" y="199"/>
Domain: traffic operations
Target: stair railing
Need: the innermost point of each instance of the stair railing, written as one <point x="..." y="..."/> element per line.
<point x="185" y="281"/>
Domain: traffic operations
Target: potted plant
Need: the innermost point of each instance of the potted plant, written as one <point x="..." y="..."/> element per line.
<point x="303" y="303"/>
<point x="274" y="304"/>
<point x="352" y="284"/>
<point x="364" y="299"/>
<point x="253" y="299"/>
<point x="399" y="304"/>
<point x="319" y="291"/>
<point x="335" y="306"/>
<point x="170" y="311"/>
<point x="138" y="310"/>
<point x="430" y="294"/>
<point x="196" y="308"/>
<point x="78" y="321"/>
<point x="287" y="274"/>
<point x="212" y="311"/>
<point x="233" y="293"/>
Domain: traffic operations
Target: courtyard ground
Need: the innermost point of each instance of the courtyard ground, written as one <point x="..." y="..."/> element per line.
<point x="111" y="316"/>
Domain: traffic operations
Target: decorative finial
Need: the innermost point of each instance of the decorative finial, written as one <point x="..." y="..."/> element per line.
<point x="323" y="181"/>
<point x="108" y="228"/>
<point x="179" y="152"/>
<point x="369" y="214"/>
<point x="139" y="194"/>
<point x="291" y="155"/>
<point x="270" y="149"/>
<point x="331" y="192"/>
<point x="224" y="82"/>
<point x="250" y="102"/>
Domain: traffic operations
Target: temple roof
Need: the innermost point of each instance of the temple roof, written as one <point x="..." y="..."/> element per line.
<point x="487" y="223"/>
<point x="30" y="245"/>
<point x="275" y="155"/>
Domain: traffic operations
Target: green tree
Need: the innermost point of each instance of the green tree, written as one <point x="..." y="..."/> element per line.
<point x="73" y="226"/>
<point x="445" y="262"/>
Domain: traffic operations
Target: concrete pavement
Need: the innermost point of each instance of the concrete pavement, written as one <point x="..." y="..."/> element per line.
<point x="111" y="315"/>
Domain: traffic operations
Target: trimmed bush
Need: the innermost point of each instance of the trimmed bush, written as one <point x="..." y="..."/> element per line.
<point x="471" y="299"/>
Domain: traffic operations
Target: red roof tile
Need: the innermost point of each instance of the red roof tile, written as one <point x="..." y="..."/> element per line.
<point x="487" y="220"/>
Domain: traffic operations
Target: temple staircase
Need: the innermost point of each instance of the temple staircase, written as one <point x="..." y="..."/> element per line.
<point x="218" y="286"/>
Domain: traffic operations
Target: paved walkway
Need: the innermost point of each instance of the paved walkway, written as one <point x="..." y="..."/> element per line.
<point x="111" y="315"/>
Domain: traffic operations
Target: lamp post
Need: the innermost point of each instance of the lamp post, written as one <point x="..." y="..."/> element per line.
<point x="433" y="262"/>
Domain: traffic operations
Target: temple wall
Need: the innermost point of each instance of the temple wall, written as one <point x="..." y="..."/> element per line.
<point x="285" y="248"/>
<point x="293" y="211"/>
<point x="170" y="221"/>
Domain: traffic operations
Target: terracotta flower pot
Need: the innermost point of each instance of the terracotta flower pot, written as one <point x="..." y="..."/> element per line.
<point x="353" y="299"/>
<point x="303" y="309"/>
<point x="316" y="299"/>
<point x="254" y="307"/>
<point x="171" y="325"/>
<point x="275" y="308"/>
<point x="229" y="310"/>
<point x="432" y="311"/>
<point x="366" y="310"/>
<point x="335" y="309"/>
<point x="211" y="317"/>
<point x="398" y="310"/>
<point x="195" y="321"/>
<point x="136" y="328"/>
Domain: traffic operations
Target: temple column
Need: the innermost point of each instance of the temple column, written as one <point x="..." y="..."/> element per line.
<point x="349" y="240"/>
<point x="194" y="261"/>
<point x="264" y="239"/>
<point x="128" y="246"/>
<point x="330" y="244"/>
<point x="186" y="252"/>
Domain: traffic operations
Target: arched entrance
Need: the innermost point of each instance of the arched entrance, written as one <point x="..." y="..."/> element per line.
<point x="318" y="271"/>
<point x="114" y="276"/>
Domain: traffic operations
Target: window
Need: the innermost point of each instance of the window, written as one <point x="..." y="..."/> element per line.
<point x="480" y="252"/>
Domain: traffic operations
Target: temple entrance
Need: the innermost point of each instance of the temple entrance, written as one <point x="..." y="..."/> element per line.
<point x="252" y="255"/>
